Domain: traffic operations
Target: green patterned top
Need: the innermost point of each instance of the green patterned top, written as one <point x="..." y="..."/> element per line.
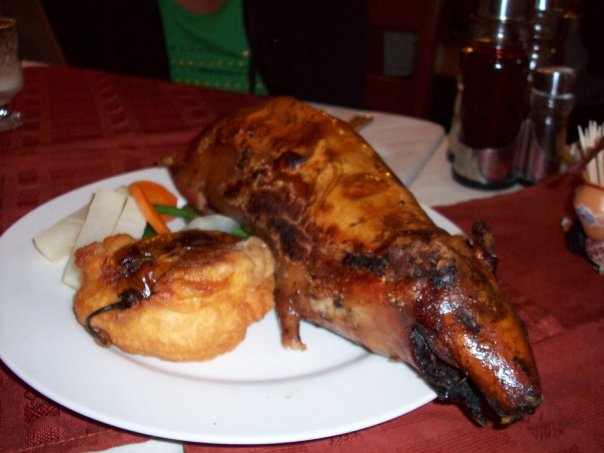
<point x="208" y="50"/>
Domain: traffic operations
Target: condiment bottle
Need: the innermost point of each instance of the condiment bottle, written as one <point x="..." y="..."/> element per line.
<point x="551" y="102"/>
<point x="494" y="99"/>
<point x="550" y="27"/>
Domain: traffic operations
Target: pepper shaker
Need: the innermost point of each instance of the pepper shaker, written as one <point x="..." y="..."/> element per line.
<point x="551" y="101"/>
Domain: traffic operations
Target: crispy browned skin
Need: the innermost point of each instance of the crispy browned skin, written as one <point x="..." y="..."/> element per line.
<point x="358" y="255"/>
<point x="186" y="296"/>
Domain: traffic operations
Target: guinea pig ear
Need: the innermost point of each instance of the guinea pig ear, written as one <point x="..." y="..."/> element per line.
<point x="483" y="243"/>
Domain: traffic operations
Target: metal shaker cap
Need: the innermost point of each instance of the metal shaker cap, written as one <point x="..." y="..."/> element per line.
<point x="554" y="80"/>
<point x="502" y="9"/>
<point x="550" y="5"/>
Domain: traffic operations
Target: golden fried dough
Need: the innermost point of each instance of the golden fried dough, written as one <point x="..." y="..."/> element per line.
<point x="182" y="297"/>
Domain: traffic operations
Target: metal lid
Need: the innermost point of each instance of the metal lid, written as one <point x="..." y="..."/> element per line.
<point x="550" y="5"/>
<point x="502" y="9"/>
<point x="554" y="80"/>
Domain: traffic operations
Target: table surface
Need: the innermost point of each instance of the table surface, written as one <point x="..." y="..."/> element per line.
<point x="82" y="126"/>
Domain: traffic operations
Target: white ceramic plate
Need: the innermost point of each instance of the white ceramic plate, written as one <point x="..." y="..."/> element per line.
<point x="258" y="394"/>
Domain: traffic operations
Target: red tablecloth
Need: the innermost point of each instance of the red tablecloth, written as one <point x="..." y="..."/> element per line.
<point x="83" y="125"/>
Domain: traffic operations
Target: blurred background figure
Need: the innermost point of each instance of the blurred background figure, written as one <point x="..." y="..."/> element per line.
<point x="314" y="50"/>
<point x="585" y="52"/>
<point x="37" y="41"/>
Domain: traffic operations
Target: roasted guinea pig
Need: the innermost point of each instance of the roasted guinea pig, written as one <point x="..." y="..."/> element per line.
<point x="186" y="296"/>
<point x="358" y="255"/>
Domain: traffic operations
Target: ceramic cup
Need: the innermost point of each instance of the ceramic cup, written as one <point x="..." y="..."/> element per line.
<point x="589" y="206"/>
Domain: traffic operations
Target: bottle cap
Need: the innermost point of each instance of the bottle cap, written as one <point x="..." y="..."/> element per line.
<point x="550" y="5"/>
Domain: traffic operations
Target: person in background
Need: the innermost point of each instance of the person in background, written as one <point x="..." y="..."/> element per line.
<point x="314" y="50"/>
<point x="207" y="45"/>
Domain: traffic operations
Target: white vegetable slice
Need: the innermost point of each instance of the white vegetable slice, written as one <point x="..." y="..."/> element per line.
<point x="103" y="214"/>
<point x="131" y="220"/>
<point x="57" y="242"/>
<point x="123" y="190"/>
<point x="213" y="222"/>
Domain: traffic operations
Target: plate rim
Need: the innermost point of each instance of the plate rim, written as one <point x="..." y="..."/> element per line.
<point x="157" y="431"/>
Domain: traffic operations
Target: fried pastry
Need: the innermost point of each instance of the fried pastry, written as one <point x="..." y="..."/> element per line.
<point x="186" y="296"/>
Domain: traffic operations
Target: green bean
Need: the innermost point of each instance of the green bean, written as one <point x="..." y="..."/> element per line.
<point x="187" y="212"/>
<point x="240" y="233"/>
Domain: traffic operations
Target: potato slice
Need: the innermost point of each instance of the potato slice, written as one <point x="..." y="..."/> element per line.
<point x="57" y="242"/>
<point x="131" y="220"/>
<point x="103" y="214"/>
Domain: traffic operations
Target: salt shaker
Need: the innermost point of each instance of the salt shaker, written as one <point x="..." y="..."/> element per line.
<point x="551" y="102"/>
<point x="494" y="96"/>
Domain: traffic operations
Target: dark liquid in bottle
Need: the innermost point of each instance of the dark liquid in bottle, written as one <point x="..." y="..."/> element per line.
<point x="494" y="101"/>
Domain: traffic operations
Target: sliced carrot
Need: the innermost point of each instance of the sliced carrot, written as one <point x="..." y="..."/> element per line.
<point x="147" y="209"/>
<point x="158" y="194"/>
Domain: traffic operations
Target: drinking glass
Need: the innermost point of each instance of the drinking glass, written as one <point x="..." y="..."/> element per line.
<point x="11" y="78"/>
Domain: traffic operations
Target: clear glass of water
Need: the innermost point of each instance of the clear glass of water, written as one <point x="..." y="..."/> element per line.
<point x="11" y="77"/>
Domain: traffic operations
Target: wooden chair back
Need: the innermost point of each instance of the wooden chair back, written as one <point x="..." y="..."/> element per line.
<point x="408" y="94"/>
